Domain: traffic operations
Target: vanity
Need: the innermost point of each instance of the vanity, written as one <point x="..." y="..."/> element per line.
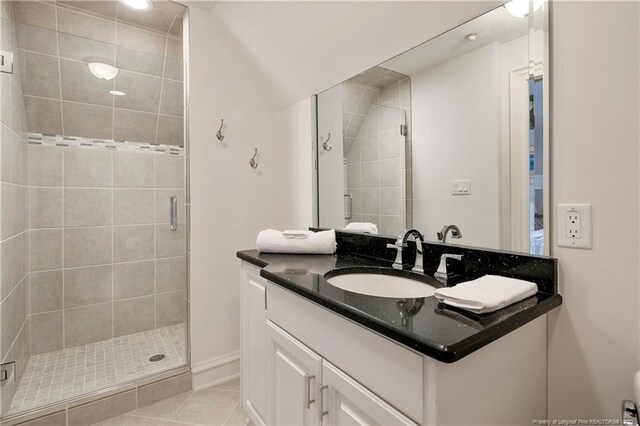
<point x="316" y="354"/>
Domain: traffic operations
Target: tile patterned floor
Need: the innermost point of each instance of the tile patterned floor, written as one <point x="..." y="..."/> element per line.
<point x="219" y="405"/>
<point x="55" y="376"/>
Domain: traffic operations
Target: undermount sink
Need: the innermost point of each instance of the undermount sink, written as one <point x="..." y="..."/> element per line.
<point x="382" y="282"/>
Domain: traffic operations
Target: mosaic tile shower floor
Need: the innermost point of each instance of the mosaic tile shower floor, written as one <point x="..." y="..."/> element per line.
<point x="56" y="376"/>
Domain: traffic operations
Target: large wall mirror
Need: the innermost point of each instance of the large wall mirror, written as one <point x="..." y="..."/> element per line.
<point x="453" y="131"/>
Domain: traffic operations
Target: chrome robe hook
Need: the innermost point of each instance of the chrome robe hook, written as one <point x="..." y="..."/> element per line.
<point x="325" y="144"/>
<point x="220" y="135"/>
<point x="253" y="163"/>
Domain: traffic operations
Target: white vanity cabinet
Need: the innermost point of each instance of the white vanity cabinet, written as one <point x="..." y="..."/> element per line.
<point x="254" y="316"/>
<point x="303" y="364"/>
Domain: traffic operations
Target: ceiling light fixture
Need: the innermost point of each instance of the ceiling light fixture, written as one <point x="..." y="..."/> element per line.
<point x="520" y="8"/>
<point x="117" y="93"/>
<point x="471" y="37"/>
<point x="103" y="71"/>
<point x="140" y="5"/>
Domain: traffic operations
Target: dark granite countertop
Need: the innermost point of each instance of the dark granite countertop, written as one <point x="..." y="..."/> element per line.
<point x="429" y="327"/>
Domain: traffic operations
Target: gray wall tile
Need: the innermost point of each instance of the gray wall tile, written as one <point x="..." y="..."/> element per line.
<point x="155" y="18"/>
<point x="71" y="22"/>
<point x="133" y="279"/>
<point x="171" y="274"/>
<point x="133" y="315"/>
<point x="133" y="206"/>
<point x="38" y="14"/>
<point x="170" y="243"/>
<point x="87" y="246"/>
<point x="87" y="324"/>
<point x="84" y="49"/>
<point x="87" y="207"/>
<point x="102" y="409"/>
<point x="45" y="249"/>
<point x="132" y="170"/>
<point x="45" y="165"/>
<point x="43" y="115"/>
<point x="46" y="332"/>
<point x="170" y="130"/>
<point x="172" y="98"/>
<point x="6" y="229"/>
<point x="173" y="65"/>
<point x="87" y="286"/>
<point x="37" y="39"/>
<point x="40" y="74"/>
<point x="89" y="121"/>
<point x="5" y="153"/>
<point x="45" y="208"/>
<point x="171" y="308"/>
<point x="135" y="60"/>
<point x="12" y="315"/>
<point x="87" y="168"/>
<point x="45" y="291"/>
<point x="106" y="7"/>
<point x="137" y="39"/>
<point x="169" y="171"/>
<point x="134" y="126"/>
<point x="158" y="391"/>
<point x="79" y="85"/>
<point x="131" y="243"/>
<point x="143" y="91"/>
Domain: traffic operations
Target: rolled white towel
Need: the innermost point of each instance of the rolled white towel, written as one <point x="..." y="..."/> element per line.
<point x="362" y="227"/>
<point x="301" y="235"/>
<point x="486" y="294"/>
<point x="273" y="241"/>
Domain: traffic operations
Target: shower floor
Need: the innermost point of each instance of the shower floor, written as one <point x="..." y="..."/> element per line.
<point x="55" y="376"/>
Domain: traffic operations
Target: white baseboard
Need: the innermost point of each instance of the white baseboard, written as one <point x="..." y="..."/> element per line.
<point x="215" y="371"/>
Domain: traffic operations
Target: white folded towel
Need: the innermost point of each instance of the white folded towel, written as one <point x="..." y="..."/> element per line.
<point x="273" y="241"/>
<point x="362" y="227"/>
<point x="486" y="294"/>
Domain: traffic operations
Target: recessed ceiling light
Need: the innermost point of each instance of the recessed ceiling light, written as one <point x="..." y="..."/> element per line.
<point x="471" y="37"/>
<point x="520" y="8"/>
<point x="141" y="5"/>
<point x="103" y="71"/>
<point x="117" y="93"/>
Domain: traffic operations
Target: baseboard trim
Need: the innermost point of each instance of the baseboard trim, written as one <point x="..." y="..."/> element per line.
<point x="214" y="371"/>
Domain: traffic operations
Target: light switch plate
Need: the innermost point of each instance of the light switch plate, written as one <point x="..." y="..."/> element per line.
<point x="461" y="187"/>
<point x="574" y="226"/>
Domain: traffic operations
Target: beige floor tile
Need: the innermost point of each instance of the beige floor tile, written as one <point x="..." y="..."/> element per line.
<point x="208" y="407"/>
<point x="129" y="420"/>
<point x="163" y="409"/>
<point x="237" y="417"/>
<point x="233" y="385"/>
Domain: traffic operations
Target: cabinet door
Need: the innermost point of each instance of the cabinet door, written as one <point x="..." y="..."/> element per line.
<point x="292" y="379"/>
<point x="254" y="315"/>
<point x="347" y="402"/>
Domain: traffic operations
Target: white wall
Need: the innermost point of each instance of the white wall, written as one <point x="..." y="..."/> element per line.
<point x="455" y="111"/>
<point x="230" y="202"/>
<point x="593" y="346"/>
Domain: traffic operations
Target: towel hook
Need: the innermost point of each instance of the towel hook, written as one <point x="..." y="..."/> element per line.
<point x="253" y="163"/>
<point x="325" y="144"/>
<point x="220" y="135"/>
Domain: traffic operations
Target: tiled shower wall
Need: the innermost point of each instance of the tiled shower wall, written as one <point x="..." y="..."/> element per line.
<point x="375" y="153"/>
<point x="14" y="279"/>
<point x="103" y="260"/>
<point x="56" y="43"/>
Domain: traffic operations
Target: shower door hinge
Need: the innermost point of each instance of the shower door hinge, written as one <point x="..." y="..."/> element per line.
<point x="6" y="61"/>
<point x="7" y="373"/>
<point x="403" y="130"/>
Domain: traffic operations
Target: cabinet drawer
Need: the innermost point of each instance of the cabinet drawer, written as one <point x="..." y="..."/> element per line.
<point x="392" y="372"/>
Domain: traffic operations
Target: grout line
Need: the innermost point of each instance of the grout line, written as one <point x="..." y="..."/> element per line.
<point x="164" y="62"/>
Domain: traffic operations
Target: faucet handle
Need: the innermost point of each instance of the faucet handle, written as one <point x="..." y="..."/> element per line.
<point x="443" y="272"/>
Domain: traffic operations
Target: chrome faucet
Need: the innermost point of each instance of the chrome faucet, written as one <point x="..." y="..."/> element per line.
<point x="455" y="233"/>
<point x="401" y="244"/>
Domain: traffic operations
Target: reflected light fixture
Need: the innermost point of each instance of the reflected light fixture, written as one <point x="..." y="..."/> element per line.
<point x="140" y="5"/>
<point x="520" y="8"/>
<point x="103" y="71"/>
<point x="117" y="93"/>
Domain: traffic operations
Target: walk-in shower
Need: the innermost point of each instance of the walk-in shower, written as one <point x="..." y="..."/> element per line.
<point x="93" y="197"/>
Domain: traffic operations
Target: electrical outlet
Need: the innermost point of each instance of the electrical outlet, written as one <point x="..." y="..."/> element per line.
<point x="574" y="226"/>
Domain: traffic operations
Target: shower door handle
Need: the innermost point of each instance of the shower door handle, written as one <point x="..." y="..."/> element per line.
<point x="173" y="212"/>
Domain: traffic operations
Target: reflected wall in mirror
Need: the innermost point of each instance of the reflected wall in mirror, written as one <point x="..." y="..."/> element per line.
<point x="450" y="132"/>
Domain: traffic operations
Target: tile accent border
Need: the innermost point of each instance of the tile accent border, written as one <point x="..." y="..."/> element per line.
<point x="80" y="142"/>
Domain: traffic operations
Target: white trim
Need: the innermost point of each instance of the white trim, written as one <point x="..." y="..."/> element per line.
<point x="214" y="371"/>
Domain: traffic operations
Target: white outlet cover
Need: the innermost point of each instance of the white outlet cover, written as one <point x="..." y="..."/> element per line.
<point x="568" y="237"/>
